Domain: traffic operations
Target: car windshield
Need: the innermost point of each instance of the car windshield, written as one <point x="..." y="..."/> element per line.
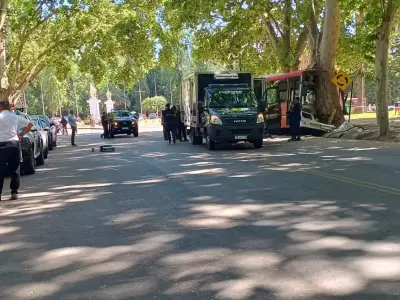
<point x="122" y="114"/>
<point x="36" y="123"/>
<point x="231" y="98"/>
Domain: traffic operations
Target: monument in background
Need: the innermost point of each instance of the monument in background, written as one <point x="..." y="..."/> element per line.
<point x="94" y="103"/>
<point x="109" y="103"/>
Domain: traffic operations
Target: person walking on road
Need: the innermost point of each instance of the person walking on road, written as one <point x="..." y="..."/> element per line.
<point x="74" y="126"/>
<point x="64" y="123"/>
<point x="10" y="147"/>
<point x="170" y="123"/>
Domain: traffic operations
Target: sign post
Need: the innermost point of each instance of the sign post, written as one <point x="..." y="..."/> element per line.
<point x="343" y="81"/>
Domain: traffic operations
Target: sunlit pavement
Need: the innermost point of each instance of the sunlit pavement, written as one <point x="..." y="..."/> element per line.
<point x="317" y="219"/>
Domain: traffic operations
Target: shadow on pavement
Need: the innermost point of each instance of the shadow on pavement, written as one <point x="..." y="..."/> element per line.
<point x="193" y="224"/>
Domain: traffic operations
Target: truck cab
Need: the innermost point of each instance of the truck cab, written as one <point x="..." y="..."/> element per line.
<point x="222" y="109"/>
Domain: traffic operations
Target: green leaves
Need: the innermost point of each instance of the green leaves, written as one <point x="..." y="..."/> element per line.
<point x="154" y="104"/>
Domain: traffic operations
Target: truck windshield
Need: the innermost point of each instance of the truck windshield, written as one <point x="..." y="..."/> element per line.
<point x="231" y="98"/>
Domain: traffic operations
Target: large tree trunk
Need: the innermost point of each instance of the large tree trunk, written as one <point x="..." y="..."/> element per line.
<point x="3" y="62"/>
<point x="328" y="100"/>
<point x="381" y="60"/>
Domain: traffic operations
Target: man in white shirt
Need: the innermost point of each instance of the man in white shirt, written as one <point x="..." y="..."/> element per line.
<point x="10" y="136"/>
<point x="74" y="126"/>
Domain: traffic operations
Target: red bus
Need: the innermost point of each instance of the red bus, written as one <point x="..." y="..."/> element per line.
<point x="279" y="90"/>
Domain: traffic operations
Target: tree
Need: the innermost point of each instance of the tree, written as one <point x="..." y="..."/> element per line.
<point x="154" y="104"/>
<point x="389" y="10"/>
<point x="328" y="105"/>
<point x="101" y="35"/>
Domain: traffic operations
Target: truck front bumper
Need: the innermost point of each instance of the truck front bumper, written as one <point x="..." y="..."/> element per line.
<point x="234" y="133"/>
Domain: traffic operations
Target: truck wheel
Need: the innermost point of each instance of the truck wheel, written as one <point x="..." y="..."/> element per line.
<point x="136" y="132"/>
<point x="40" y="158"/>
<point x="111" y="135"/>
<point x="29" y="164"/>
<point x="193" y="138"/>
<point x="210" y="144"/>
<point x="258" y="143"/>
<point x="199" y="140"/>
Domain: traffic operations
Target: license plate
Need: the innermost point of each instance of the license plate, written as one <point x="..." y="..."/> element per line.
<point x="241" y="137"/>
<point x="125" y="128"/>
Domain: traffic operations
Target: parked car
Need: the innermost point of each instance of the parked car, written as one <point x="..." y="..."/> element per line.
<point x="31" y="148"/>
<point x="41" y="129"/>
<point x="50" y="125"/>
<point x="122" y="122"/>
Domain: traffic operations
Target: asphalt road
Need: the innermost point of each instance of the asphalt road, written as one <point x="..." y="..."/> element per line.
<point x="317" y="219"/>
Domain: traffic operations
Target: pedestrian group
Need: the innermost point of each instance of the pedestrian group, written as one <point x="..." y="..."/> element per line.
<point x="173" y="127"/>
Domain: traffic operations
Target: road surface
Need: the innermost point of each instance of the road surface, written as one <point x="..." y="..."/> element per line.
<point x="317" y="219"/>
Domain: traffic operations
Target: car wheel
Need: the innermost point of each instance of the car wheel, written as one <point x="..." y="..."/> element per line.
<point x="258" y="143"/>
<point x="136" y="133"/>
<point x="40" y="158"/>
<point x="46" y="152"/>
<point x="50" y="144"/>
<point x="111" y="135"/>
<point x="29" y="163"/>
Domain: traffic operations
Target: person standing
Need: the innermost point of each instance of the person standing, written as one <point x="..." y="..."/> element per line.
<point x="170" y="123"/>
<point x="295" y="119"/>
<point x="74" y="126"/>
<point x="163" y="123"/>
<point x="10" y="148"/>
<point x="181" y="126"/>
<point x="104" y="123"/>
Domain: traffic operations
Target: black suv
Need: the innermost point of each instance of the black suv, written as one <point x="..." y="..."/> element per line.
<point x="31" y="148"/>
<point x="123" y="122"/>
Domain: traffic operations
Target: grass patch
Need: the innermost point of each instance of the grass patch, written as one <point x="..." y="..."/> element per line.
<point x="370" y="115"/>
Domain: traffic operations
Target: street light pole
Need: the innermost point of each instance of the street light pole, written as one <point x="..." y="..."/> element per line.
<point x="124" y="95"/>
<point x="41" y="93"/>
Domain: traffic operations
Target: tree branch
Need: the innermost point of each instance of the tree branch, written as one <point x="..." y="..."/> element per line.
<point x="270" y="16"/>
<point x="273" y="36"/>
<point x="300" y="45"/>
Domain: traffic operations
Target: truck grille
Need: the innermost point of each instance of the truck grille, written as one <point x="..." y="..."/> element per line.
<point x="124" y="123"/>
<point x="240" y="131"/>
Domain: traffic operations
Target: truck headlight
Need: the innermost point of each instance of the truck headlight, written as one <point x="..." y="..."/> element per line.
<point x="215" y="120"/>
<point x="260" y="118"/>
<point x="115" y="124"/>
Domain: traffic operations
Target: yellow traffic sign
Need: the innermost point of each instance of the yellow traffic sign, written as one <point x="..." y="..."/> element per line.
<point x="342" y="80"/>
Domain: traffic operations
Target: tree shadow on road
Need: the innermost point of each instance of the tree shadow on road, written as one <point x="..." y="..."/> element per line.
<point x="111" y="233"/>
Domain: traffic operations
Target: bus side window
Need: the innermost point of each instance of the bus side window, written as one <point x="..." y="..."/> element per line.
<point x="271" y="96"/>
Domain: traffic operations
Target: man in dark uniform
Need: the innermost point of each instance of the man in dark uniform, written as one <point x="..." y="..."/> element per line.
<point x="10" y="147"/>
<point x="294" y="119"/>
<point x="181" y="126"/>
<point x="163" y="123"/>
<point x="104" y="123"/>
<point x="170" y="123"/>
